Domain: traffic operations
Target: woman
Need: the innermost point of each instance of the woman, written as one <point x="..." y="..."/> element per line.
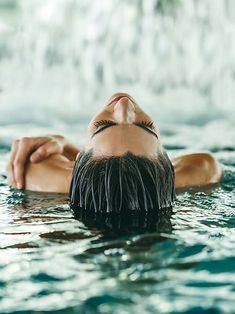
<point x="123" y="165"/>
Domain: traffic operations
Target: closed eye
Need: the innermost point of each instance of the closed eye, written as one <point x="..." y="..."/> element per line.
<point x="99" y="123"/>
<point x="104" y="124"/>
<point x="148" y="126"/>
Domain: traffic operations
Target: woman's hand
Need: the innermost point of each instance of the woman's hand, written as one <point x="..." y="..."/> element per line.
<point x="35" y="149"/>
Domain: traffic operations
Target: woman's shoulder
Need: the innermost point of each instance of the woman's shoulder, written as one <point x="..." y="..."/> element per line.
<point x="196" y="169"/>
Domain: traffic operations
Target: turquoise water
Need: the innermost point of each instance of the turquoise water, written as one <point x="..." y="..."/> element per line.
<point x="51" y="262"/>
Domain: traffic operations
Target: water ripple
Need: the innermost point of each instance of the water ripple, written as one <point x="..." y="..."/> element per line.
<point x="51" y="262"/>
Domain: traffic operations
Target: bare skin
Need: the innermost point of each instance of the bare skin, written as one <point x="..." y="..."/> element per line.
<point x="46" y="163"/>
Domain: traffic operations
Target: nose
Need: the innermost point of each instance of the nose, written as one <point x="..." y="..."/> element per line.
<point x="124" y="110"/>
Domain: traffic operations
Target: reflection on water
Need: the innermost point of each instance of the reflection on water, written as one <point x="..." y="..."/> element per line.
<point x="126" y="222"/>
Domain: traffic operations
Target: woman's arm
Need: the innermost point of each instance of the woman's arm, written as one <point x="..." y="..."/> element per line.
<point x="196" y="169"/>
<point x="34" y="150"/>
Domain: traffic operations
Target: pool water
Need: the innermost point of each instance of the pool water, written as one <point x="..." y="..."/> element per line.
<point x="51" y="262"/>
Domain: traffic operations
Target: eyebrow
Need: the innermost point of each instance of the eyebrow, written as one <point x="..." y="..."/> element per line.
<point x="136" y="124"/>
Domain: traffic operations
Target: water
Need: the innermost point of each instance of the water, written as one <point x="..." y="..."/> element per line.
<point x="59" y="62"/>
<point x="51" y="262"/>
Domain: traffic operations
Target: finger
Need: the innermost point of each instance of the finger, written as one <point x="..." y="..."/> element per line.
<point x="10" y="173"/>
<point x="10" y="168"/>
<point x="49" y="148"/>
<point x="22" y="154"/>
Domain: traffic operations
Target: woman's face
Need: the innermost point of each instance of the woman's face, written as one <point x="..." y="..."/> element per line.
<point x="121" y="127"/>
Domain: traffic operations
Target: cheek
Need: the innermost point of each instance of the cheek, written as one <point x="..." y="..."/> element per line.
<point x="103" y="115"/>
<point x="91" y="124"/>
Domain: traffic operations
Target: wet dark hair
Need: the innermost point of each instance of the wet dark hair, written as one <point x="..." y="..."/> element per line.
<point x="113" y="224"/>
<point x="121" y="184"/>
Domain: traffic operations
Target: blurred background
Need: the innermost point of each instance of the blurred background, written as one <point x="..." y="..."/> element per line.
<point x="60" y="60"/>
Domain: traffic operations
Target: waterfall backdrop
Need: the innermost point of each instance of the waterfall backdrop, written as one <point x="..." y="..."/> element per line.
<point x="60" y="60"/>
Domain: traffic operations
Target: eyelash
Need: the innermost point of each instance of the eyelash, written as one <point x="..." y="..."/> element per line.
<point x="148" y="124"/>
<point x="103" y="122"/>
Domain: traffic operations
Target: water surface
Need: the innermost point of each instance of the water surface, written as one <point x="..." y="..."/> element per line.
<point x="51" y="262"/>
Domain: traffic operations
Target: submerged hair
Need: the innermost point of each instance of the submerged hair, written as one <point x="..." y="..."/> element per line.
<point x="126" y="222"/>
<point x="120" y="184"/>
